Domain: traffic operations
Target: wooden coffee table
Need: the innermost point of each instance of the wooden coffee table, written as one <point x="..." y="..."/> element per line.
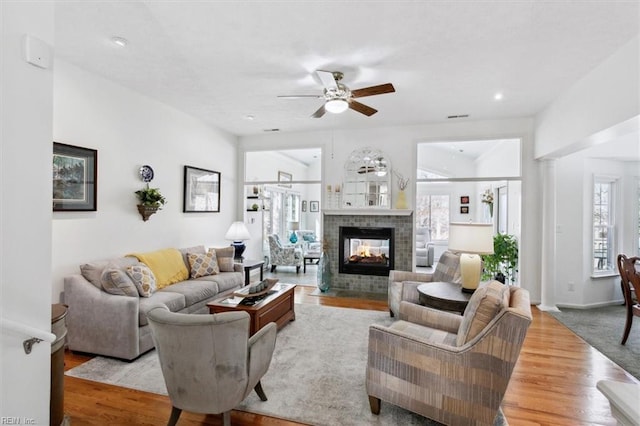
<point x="277" y="307"/>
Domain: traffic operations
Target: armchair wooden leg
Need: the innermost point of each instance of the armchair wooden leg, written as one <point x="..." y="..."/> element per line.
<point x="374" y="403"/>
<point x="260" y="392"/>
<point x="391" y="313"/>
<point x="628" y="306"/>
<point x="175" y="415"/>
<point x="273" y="268"/>
<point x="226" y="418"/>
<point x="627" y="326"/>
<point x="297" y="269"/>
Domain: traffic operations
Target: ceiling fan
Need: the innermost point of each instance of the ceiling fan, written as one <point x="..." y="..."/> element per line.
<point x="338" y="97"/>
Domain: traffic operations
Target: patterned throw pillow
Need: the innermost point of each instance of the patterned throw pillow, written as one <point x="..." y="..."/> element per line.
<point x="225" y="258"/>
<point x="203" y="264"/>
<point x="116" y="281"/>
<point x="485" y="303"/>
<point x="143" y="278"/>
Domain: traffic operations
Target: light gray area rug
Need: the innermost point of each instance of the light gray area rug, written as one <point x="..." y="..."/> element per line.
<point x="602" y="328"/>
<point x="317" y="374"/>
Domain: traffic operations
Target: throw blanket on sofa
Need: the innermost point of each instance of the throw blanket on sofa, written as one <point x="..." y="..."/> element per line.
<point x="167" y="265"/>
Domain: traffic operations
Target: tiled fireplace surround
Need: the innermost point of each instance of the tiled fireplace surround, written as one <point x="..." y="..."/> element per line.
<point x="401" y="221"/>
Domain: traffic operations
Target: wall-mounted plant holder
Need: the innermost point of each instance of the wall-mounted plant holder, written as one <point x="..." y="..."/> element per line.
<point x="146" y="211"/>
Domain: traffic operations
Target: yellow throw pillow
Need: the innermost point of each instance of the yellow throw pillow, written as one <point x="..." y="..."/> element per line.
<point x="167" y="266"/>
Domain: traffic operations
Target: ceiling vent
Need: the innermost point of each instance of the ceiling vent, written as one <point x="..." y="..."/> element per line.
<point x="458" y="116"/>
<point x="271" y="130"/>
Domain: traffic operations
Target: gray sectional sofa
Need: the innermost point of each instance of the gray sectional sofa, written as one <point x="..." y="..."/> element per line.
<point x="113" y="325"/>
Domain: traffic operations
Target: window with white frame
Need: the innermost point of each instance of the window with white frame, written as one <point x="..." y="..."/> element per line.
<point x="604" y="231"/>
<point x="432" y="212"/>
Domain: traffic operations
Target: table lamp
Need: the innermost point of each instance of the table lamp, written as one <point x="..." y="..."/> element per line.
<point x="471" y="240"/>
<point x="238" y="233"/>
<point x="294" y="226"/>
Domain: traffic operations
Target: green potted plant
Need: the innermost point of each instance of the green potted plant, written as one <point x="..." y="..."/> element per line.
<point x="503" y="263"/>
<point x="151" y="200"/>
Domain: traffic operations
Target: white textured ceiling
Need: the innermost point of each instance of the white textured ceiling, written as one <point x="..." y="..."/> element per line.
<point x="223" y="60"/>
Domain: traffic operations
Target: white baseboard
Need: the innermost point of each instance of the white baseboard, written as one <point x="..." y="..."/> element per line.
<point x="590" y="305"/>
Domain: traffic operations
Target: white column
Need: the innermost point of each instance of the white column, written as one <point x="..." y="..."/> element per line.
<point x="548" y="293"/>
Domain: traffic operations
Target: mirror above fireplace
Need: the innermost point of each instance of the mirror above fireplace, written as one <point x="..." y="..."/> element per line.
<point x="367" y="180"/>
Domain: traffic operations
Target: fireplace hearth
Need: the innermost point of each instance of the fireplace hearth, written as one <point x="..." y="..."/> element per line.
<point x="366" y="250"/>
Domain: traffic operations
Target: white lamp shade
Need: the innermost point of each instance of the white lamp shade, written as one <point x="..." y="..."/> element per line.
<point x="336" y="106"/>
<point x="237" y="232"/>
<point x="471" y="238"/>
<point x="294" y="226"/>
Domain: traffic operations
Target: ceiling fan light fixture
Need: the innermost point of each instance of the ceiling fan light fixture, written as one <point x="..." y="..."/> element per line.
<point x="336" y="106"/>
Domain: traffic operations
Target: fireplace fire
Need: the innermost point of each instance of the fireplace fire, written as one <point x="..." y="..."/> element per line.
<point x="366" y="251"/>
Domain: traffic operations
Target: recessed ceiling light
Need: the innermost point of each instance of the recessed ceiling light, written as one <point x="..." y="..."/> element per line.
<point x="249" y="117"/>
<point x="122" y="42"/>
<point x="498" y="96"/>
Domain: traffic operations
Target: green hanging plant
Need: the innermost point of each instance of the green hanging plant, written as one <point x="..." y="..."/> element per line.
<point x="504" y="259"/>
<point x="151" y="197"/>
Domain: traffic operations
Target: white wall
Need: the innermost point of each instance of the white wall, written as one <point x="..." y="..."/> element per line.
<point x="399" y="143"/>
<point x="574" y="195"/>
<point x="25" y="210"/>
<point x="130" y="130"/>
<point x="598" y="108"/>
<point x="605" y="97"/>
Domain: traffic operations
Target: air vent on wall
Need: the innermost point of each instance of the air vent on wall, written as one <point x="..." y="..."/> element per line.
<point x="458" y="116"/>
<point x="271" y="130"/>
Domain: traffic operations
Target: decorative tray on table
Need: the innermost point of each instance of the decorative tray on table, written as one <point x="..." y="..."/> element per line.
<point x="262" y="288"/>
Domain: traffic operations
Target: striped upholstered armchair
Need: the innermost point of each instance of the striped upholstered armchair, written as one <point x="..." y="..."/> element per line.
<point x="450" y="368"/>
<point x="403" y="285"/>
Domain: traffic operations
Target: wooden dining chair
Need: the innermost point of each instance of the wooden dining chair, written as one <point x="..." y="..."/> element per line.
<point x="630" y="282"/>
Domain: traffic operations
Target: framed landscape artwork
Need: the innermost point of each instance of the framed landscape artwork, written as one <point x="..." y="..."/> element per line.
<point x="201" y="190"/>
<point x="74" y="178"/>
<point x="314" y="206"/>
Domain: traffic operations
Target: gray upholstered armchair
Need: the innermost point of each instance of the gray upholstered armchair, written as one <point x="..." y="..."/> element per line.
<point x="450" y="368"/>
<point x="403" y="285"/>
<point x="281" y="255"/>
<point x="209" y="362"/>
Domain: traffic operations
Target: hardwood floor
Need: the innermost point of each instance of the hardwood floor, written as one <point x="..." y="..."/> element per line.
<point x="554" y="383"/>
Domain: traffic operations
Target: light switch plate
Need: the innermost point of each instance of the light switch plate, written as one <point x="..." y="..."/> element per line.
<point x="37" y="52"/>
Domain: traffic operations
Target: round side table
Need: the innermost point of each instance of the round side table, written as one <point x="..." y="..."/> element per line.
<point x="443" y="296"/>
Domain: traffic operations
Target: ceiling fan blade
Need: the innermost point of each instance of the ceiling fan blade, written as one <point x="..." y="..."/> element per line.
<point x="300" y="96"/>
<point x="327" y="79"/>
<point x="319" y="113"/>
<point x="373" y="90"/>
<point x="362" y="108"/>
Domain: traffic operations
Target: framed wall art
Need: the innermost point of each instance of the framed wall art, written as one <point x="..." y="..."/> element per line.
<point x="201" y="190"/>
<point x="284" y="177"/>
<point x="304" y="205"/>
<point x="464" y="209"/>
<point x="314" y="206"/>
<point x="75" y="178"/>
<point x="464" y="199"/>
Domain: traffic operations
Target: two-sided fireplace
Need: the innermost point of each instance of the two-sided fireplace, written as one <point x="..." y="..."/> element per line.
<point x="366" y="250"/>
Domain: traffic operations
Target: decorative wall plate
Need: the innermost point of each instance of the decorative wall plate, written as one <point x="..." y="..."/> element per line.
<point x="146" y="173"/>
